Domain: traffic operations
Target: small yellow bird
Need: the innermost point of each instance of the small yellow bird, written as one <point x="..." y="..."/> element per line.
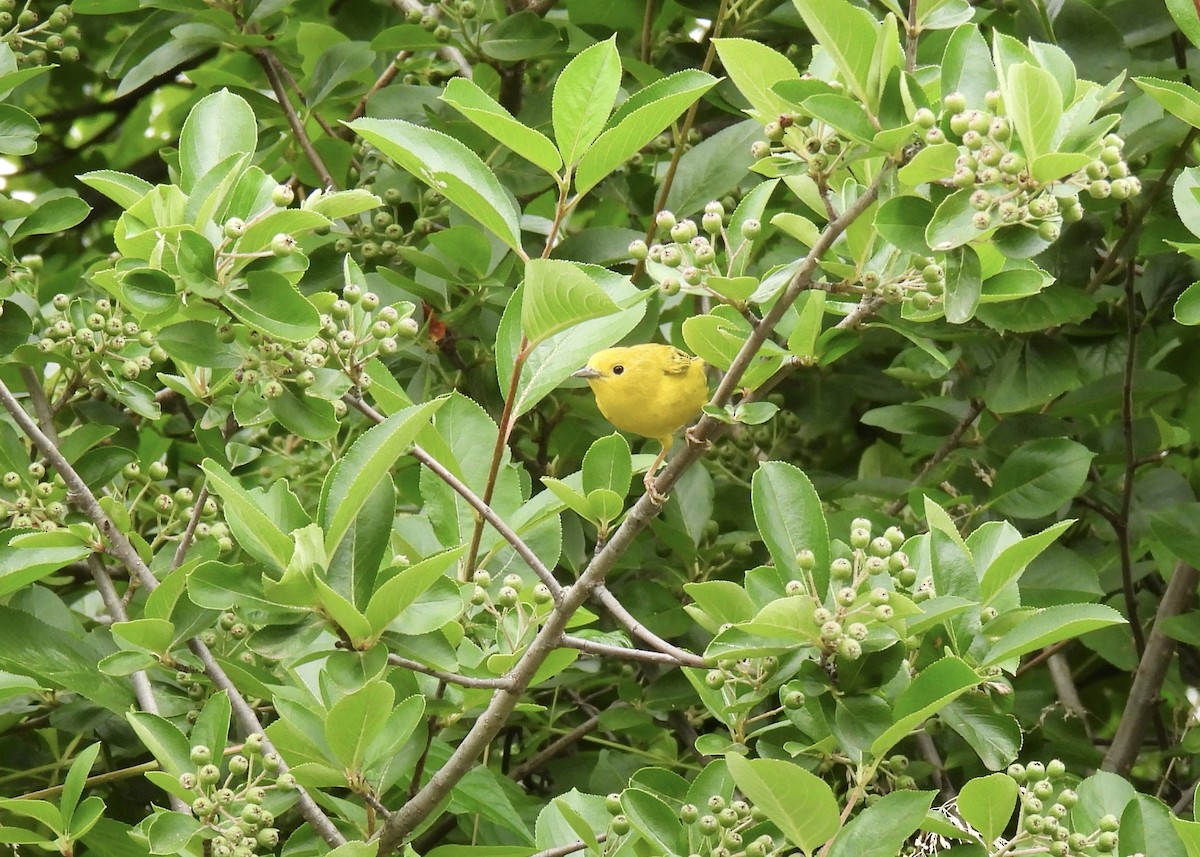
<point x="651" y="390"/>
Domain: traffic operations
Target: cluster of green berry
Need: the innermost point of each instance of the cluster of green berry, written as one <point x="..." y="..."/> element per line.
<point x="514" y="609"/>
<point x="1044" y="821"/>
<point x="172" y="510"/>
<point x="431" y="18"/>
<point x="99" y="339"/>
<point x="356" y="327"/>
<point x="1006" y="194"/>
<point x="228" y="639"/>
<point x="795" y="136"/>
<point x="408" y="215"/>
<point x="233" y="807"/>
<point x="776" y="438"/>
<point x="723" y="828"/>
<point x="34" y="40"/>
<point x="855" y="603"/>
<point x="919" y="279"/>
<point x="689" y="258"/>
<point x="33" y="499"/>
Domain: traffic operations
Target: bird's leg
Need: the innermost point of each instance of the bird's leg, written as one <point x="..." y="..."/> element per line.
<point x="655" y="497"/>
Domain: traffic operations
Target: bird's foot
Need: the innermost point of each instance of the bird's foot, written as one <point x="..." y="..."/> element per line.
<point x="704" y="442"/>
<point x="656" y="497"/>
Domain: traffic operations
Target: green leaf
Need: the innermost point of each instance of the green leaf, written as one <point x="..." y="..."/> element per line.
<point x="754" y="69"/>
<point x="164" y="741"/>
<point x="221" y="124"/>
<point x="253" y="529"/>
<point x="963" y="284"/>
<point x="1050" y="626"/>
<point x="271" y="305"/>
<point x="212" y="724"/>
<point x="665" y="100"/>
<point x="558" y="296"/>
<point x="843" y="114"/>
<point x="44" y="811"/>
<point x="398" y="593"/>
<point x="149" y="291"/>
<point x="30" y="557"/>
<point x="52" y="216"/>
<point x="337" y="64"/>
<point x="1146" y="827"/>
<point x="881" y="829"/>
<point x="170" y="832"/>
<point x="995" y="737"/>
<point x="987" y="803"/>
<point x="1039" y="477"/>
<point x="304" y="416"/>
<point x="901" y="220"/>
<point x="334" y="205"/>
<point x="929" y="692"/>
<point x="18" y="131"/>
<point x="368" y="462"/>
<point x="1013" y="560"/>
<point x="1176" y="98"/>
<point x="74" y="783"/>
<point x="519" y="36"/>
<point x="654" y="821"/>
<point x="1034" y="104"/>
<point x="150" y="635"/>
<point x="355" y="720"/>
<point x="1186" y="18"/>
<point x="1187" y="306"/>
<point x="583" y="98"/>
<point x="450" y="168"/>
<point x="467" y="98"/>
<point x="953" y="222"/>
<point x="848" y="34"/>
<point x="608" y="464"/>
<point x="122" y="188"/>
<point x="712" y="168"/>
<point x="801" y="805"/>
<point x="788" y="513"/>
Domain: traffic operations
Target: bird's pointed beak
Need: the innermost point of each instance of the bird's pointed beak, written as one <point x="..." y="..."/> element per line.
<point x="585" y="372"/>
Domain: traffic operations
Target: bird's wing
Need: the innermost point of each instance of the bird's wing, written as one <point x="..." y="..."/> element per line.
<point x="678" y="363"/>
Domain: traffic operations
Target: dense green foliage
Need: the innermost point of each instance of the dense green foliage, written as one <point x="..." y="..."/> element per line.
<point x="309" y="540"/>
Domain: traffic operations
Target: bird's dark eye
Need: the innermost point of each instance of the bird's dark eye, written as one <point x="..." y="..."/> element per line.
<point x="618" y="369"/>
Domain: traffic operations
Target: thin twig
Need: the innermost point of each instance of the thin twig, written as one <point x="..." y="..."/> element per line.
<point x="948" y="445"/>
<point x="564" y="850"/>
<point x="120" y="547"/>
<point x="1064" y="685"/>
<point x="622" y="615"/>
<point x="1131" y="226"/>
<point x="449" y="678"/>
<point x="608" y="650"/>
<point x="189" y="531"/>
<point x="647" y="31"/>
<point x="140" y="681"/>
<point x="1130" y="468"/>
<point x="557" y="747"/>
<point x="37" y="397"/>
<point x="271" y="66"/>
<point x="475" y="502"/>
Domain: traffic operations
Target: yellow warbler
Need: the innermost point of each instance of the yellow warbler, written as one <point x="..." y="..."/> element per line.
<point x="651" y="390"/>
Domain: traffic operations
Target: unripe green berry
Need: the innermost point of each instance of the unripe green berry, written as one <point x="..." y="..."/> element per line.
<point x="282" y="196"/>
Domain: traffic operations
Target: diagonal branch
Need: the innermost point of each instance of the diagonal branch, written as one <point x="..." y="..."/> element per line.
<point x="406" y="819"/>
<point x="120" y="547"/>
<point x="1151" y="671"/>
